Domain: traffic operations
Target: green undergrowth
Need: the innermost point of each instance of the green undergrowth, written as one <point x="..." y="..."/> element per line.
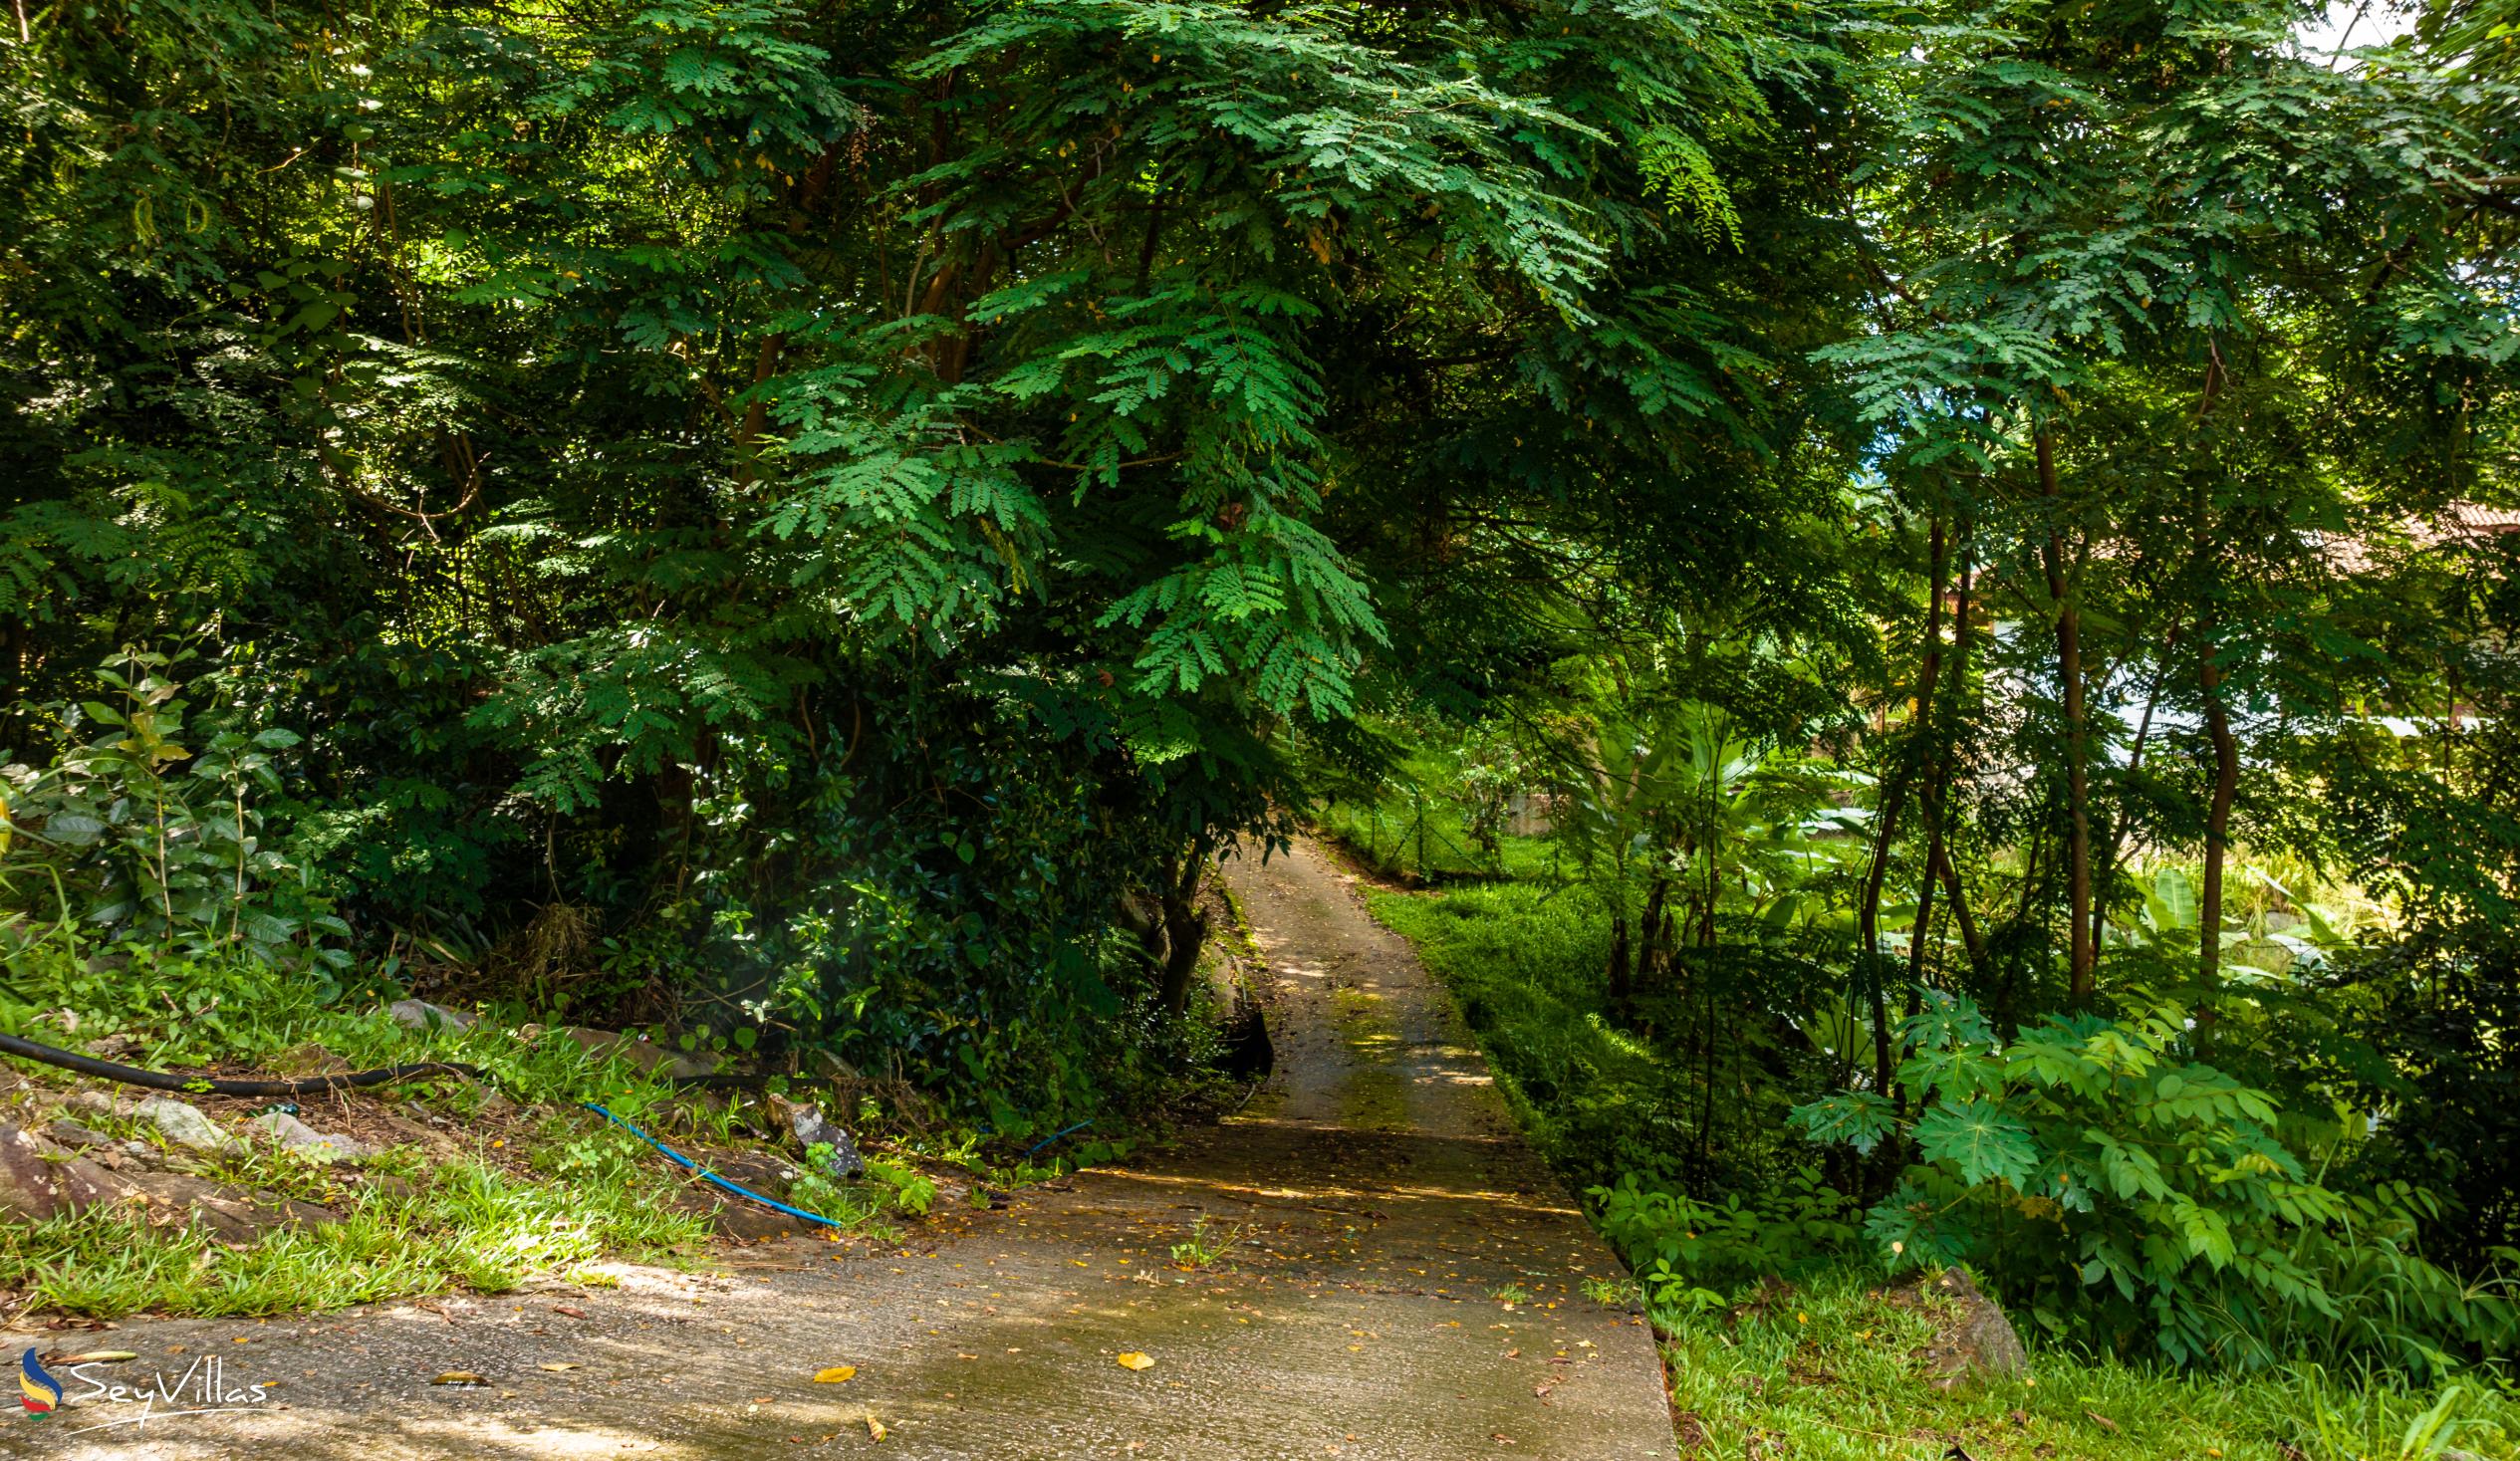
<point x="1419" y="825"/>
<point x="1833" y="1373"/>
<point x="457" y="1225"/>
<point x="545" y="1187"/>
<point x="1829" y="1370"/>
<point x="1523" y="963"/>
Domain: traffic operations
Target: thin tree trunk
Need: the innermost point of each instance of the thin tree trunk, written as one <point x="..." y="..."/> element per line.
<point x="2217" y="816"/>
<point x="1184" y="924"/>
<point x="2217" y="730"/>
<point x="1621" y="967"/>
<point x="2109" y="856"/>
<point x="1652" y="940"/>
<point x="1868" y="924"/>
<point x="1971" y="937"/>
<point x="1936" y="761"/>
<point x="1868" y="921"/>
<point x="2069" y="668"/>
<point x="1940" y="863"/>
<point x="1707" y="1107"/>
<point x="1885" y="829"/>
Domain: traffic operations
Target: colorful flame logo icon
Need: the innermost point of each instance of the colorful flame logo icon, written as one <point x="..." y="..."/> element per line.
<point x="42" y="1391"/>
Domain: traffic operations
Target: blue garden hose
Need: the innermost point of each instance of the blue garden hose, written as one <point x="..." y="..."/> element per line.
<point x="682" y="1161"/>
<point x="1055" y="1136"/>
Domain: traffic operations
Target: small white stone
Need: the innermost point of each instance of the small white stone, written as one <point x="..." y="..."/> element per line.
<point x="305" y="1141"/>
<point x="183" y="1124"/>
<point x="419" y="1014"/>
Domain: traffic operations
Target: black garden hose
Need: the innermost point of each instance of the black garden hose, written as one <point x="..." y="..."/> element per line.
<point x="318" y="1084"/>
<point x="214" y="1086"/>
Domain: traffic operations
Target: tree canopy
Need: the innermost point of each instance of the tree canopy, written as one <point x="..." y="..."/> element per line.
<point x="815" y="521"/>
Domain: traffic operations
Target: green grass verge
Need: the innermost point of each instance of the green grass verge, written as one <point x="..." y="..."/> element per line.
<point x="1833" y="1373"/>
<point x="461" y="1224"/>
<point x="566" y="1190"/>
<point x="1829" y="1372"/>
<point x="1524" y="964"/>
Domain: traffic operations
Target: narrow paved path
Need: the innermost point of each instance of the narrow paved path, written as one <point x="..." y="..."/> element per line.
<point x="1379" y="1201"/>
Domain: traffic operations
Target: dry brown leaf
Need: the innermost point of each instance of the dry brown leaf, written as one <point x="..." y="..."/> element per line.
<point x="836" y="1374"/>
<point x="875" y="1429"/>
<point x="557" y="1369"/>
<point x="459" y="1377"/>
<point x="100" y="1356"/>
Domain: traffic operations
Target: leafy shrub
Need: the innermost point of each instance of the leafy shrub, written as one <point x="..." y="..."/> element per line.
<point x="2427" y="1044"/>
<point x="1681" y="1249"/>
<point x="143" y="838"/>
<point x="912" y="1191"/>
<point x="2122" y="1190"/>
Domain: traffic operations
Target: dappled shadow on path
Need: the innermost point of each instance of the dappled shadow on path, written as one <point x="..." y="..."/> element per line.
<point x="1392" y="1274"/>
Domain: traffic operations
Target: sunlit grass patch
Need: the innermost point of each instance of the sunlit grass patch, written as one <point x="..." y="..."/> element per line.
<point x="1831" y="1372"/>
<point x="469" y="1226"/>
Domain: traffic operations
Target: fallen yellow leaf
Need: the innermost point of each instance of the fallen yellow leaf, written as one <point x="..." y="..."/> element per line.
<point x="556" y="1368"/>
<point x="101" y="1357"/>
<point x="875" y="1429"/>
<point x="1134" y="1361"/>
<point x="835" y="1374"/>
<point x="459" y="1377"/>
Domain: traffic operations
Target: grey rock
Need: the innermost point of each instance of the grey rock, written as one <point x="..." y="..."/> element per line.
<point x="233" y="1217"/>
<point x="812" y="1129"/>
<point x="93" y="1102"/>
<point x="77" y="1137"/>
<point x="1975" y="1341"/>
<point x="290" y="1213"/>
<point x="183" y="1124"/>
<point x="599" y="1044"/>
<point x="296" y="1135"/>
<point x="759" y="1171"/>
<point x="419" y="1014"/>
<point x="37" y="1181"/>
<point x="743" y="1221"/>
<point x="656" y="1057"/>
<point x="172" y="1198"/>
<point x="593" y="1042"/>
<point x="393" y="1189"/>
<point x="492" y="1102"/>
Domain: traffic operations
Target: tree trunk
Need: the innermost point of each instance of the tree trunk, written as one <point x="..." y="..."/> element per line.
<point x="1184" y="924"/>
<point x="2217" y="816"/>
<point x="1972" y="938"/>
<point x="2068" y="669"/>
<point x="1936" y="761"/>
<point x="1867" y="954"/>
<point x="1621" y="964"/>
<point x="2109" y="855"/>
<point x="1939" y="863"/>
<point x="1654" y="932"/>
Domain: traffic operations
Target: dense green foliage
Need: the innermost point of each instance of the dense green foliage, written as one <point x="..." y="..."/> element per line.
<point x="1977" y="527"/>
<point x="1829" y="1364"/>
